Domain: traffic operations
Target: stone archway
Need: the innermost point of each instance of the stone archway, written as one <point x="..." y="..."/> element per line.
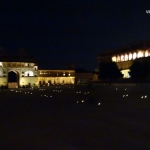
<point x="13" y="79"/>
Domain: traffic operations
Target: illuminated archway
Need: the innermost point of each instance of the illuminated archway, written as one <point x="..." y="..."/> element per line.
<point x="122" y="57"/>
<point x="118" y="58"/>
<point x="13" y="79"/>
<point x="114" y="58"/>
<point x="140" y="54"/>
<point x="146" y="53"/>
<point x="134" y="55"/>
<point x="130" y="56"/>
<point x="126" y="57"/>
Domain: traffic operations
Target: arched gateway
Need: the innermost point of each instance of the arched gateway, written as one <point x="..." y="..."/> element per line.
<point x="22" y="71"/>
<point x="13" y="79"/>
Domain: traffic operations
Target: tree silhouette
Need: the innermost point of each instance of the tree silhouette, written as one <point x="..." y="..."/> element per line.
<point x="109" y="70"/>
<point x="139" y="69"/>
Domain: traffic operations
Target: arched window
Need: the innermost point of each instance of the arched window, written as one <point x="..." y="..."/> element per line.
<point x="122" y="57"/>
<point x="1" y="64"/>
<point x="130" y="56"/>
<point x="146" y="54"/>
<point x="118" y="58"/>
<point x="35" y="67"/>
<point x="140" y="54"/>
<point x="134" y="55"/>
<point x="29" y="73"/>
<point x="114" y="58"/>
<point x="126" y="57"/>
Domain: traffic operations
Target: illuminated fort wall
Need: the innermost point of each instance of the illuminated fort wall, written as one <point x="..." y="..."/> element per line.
<point x="28" y="73"/>
<point x="125" y="59"/>
<point x="56" y="77"/>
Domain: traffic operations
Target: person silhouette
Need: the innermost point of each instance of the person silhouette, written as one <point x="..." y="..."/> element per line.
<point x="2" y="87"/>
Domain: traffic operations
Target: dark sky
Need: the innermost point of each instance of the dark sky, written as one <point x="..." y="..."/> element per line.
<point x="58" y="32"/>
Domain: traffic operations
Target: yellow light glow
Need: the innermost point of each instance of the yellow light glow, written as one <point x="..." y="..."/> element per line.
<point x="140" y="54"/>
<point x="134" y="55"/>
<point x="1" y="64"/>
<point x="146" y="53"/>
<point x="114" y="59"/>
<point x="118" y="58"/>
<point x="122" y="58"/>
<point x="125" y="73"/>
<point x="29" y="73"/>
<point x="126" y="57"/>
<point x="130" y="56"/>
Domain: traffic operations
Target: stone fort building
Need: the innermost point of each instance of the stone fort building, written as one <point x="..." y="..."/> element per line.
<point x="21" y="70"/>
<point x="125" y="55"/>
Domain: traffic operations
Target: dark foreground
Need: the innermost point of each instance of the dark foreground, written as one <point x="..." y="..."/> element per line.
<point x="57" y="121"/>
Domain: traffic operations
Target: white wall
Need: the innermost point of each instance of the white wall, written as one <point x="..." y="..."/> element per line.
<point x="3" y="80"/>
<point x="27" y="80"/>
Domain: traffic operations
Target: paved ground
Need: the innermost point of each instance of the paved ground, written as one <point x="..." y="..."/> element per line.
<point x="61" y="117"/>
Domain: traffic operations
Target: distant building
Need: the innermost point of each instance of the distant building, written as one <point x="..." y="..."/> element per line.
<point x="83" y="77"/>
<point x="26" y="71"/>
<point x="124" y="56"/>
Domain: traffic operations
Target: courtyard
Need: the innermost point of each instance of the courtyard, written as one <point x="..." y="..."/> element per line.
<point x="62" y="117"/>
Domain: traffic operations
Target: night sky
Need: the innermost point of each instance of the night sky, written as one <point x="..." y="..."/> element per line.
<point x="59" y="32"/>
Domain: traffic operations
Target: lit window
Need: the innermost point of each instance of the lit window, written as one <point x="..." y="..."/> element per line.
<point x="28" y="73"/>
<point x="130" y="56"/>
<point x="1" y="64"/>
<point x="126" y="57"/>
<point x="146" y="53"/>
<point x="118" y="58"/>
<point x="134" y="55"/>
<point x="114" y="58"/>
<point x="140" y="54"/>
<point x="122" y="57"/>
